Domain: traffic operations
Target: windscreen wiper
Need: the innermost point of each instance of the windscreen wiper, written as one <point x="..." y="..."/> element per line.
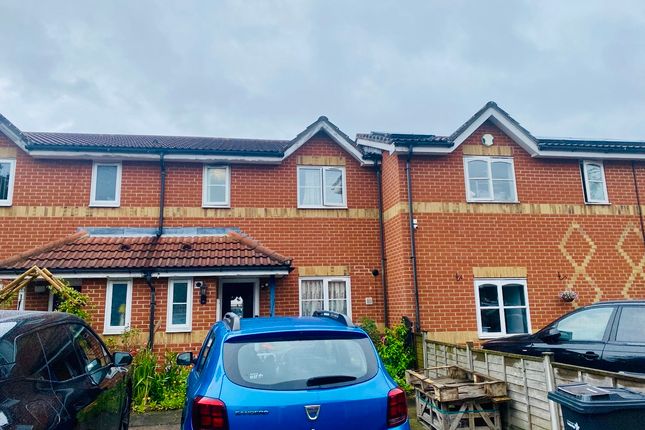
<point x="330" y="379"/>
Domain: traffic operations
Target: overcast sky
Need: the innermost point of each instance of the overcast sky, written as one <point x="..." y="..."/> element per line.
<point x="267" y="69"/>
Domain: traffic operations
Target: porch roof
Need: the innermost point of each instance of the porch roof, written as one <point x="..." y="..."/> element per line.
<point x="83" y="252"/>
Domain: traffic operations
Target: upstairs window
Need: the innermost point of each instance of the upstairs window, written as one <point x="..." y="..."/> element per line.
<point x="106" y="185"/>
<point x="7" y="174"/>
<point x="321" y="187"/>
<point x="593" y="181"/>
<point x="490" y="179"/>
<point x="216" y="187"/>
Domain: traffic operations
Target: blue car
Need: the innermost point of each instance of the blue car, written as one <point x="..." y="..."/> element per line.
<point x="313" y="373"/>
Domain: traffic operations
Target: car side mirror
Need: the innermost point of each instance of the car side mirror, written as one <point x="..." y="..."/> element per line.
<point x="552" y="335"/>
<point x="122" y="358"/>
<point x="185" y="359"/>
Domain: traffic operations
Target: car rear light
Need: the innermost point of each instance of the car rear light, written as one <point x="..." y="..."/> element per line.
<point x="209" y="414"/>
<point x="397" y="407"/>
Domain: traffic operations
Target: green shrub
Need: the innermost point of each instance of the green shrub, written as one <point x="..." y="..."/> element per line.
<point x="392" y="348"/>
<point x="157" y="387"/>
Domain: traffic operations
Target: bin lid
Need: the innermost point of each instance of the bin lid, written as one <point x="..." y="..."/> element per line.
<point x="589" y="399"/>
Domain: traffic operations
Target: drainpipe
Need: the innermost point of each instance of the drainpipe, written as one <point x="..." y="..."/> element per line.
<point x="379" y="184"/>
<point x="153" y="305"/>
<point x="162" y="193"/>
<point x="413" y="252"/>
<point x="638" y="201"/>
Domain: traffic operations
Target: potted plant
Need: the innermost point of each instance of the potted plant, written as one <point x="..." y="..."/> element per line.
<point x="568" y="295"/>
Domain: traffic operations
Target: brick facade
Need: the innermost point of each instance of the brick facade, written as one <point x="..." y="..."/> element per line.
<point x="551" y="238"/>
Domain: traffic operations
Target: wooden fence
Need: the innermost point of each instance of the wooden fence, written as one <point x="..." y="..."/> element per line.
<point x="528" y="380"/>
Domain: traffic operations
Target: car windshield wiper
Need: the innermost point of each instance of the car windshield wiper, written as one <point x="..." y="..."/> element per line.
<point x="330" y="379"/>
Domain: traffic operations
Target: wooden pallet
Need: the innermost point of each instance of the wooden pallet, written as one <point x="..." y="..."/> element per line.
<point x="471" y="414"/>
<point x="454" y="383"/>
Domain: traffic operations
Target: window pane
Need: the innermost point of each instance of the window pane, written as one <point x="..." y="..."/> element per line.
<point x="479" y="189"/>
<point x="333" y="187"/>
<point x="118" y="305"/>
<point x="311" y="296"/>
<point x="180" y="292"/>
<point x="501" y="170"/>
<point x="337" y="290"/>
<point x="338" y="306"/>
<point x="503" y="191"/>
<point x="516" y="321"/>
<point x="179" y="314"/>
<point x="585" y="325"/>
<point x="63" y="360"/>
<point x="596" y="191"/>
<point x="594" y="173"/>
<point x="490" y="321"/>
<point x="5" y="173"/>
<point x="477" y="169"/>
<point x="630" y="327"/>
<point x="216" y="194"/>
<point x="309" y="193"/>
<point x="216" y="176"/>
<point x="106" y="183"/>
<point x="513" y="295"/>
<point x="488" y="295"/>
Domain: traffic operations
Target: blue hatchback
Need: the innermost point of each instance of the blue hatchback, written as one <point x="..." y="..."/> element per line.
<point x="312" y="373"/>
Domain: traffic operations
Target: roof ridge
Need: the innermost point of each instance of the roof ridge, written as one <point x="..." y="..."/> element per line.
<point x="43" y="248"/>
<point x="256" y="246"/>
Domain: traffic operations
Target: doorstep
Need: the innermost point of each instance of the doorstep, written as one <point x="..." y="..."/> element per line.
<point x="156" y="420"/>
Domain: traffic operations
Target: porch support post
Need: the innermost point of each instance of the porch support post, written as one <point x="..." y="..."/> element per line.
<point x="272" y="295"/>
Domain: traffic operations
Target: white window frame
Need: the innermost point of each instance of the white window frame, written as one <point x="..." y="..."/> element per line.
<point x="12" y="176"/>
<point x="489" y="161"/>
<point x="117" y="192"/>
<point x="107" y="328"/>
<point x="499" y="282"/>
<point x="324" y="205"/>
<point x="227" y="202"/>
<point x="326" y="280"/>
<point x="585" y="182"/>
<point x="180" y="328"/>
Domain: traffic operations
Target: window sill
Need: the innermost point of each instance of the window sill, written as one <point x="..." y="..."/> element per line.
<point x="322" y="207"/>
<point x="5" y="204"/>
<point x="489" y="336"/>
<point x="105" y="205"/>
<point x="178" y="330"/>
<point x="213" y="206"/>
<point x="598" y="203"/>
<point x="497" y="202"/>
<point x="115" y="331"/>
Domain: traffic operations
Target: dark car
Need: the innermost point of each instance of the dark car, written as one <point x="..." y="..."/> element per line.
<point x="56" y="373"/>
<point x="316" y="372"/>
<point x="606" y="335"/>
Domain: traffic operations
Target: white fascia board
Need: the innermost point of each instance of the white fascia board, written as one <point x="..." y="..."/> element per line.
<point x="7" y="131"/>
<point x="377" y="145"/>
<point x="339" y="139"/>
<point x="589" y="155"/>
<point x="197" y="158"/>
<point x="424" y="150"/>
<point x="186" y="274"/>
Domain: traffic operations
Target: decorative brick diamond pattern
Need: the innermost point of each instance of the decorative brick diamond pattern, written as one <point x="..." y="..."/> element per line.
<point x="637" y="268"/>
<point x="579" y="265"/>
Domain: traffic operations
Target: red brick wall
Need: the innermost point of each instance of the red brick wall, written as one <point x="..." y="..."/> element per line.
<point x="332" y="240"/>
<point x="451" y="242"/>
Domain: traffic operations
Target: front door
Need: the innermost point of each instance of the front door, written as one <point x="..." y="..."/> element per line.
<point x="238" y="298"/>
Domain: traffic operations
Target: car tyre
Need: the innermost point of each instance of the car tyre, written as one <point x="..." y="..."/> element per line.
<point x="127" y="408"/>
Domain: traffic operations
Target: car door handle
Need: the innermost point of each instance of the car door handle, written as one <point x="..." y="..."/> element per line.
<point x="590" y="355"/>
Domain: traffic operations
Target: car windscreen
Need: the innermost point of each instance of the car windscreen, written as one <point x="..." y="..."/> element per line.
<point x="300" y="360"/>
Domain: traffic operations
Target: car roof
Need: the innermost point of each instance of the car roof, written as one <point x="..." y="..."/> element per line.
<point x="262" y="325"/>
<point x="618" y="302"/>
<point x="15" y="323"/>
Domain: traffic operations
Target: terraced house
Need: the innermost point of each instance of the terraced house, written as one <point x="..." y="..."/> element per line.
<point x="471" y="235"/>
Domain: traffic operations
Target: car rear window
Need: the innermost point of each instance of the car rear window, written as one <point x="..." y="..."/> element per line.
<point x="300" y="361"/>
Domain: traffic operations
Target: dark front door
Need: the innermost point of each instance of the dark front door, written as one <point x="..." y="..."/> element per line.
<point x="238" y="298"/>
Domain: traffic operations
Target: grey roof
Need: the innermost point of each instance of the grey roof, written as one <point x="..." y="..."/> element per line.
<point x="591" y="145"/>
<point x="544" y="144"/>
<point x="137" y="143"/>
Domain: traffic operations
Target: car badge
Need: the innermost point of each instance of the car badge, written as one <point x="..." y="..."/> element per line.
<point x="312" y="412"/>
